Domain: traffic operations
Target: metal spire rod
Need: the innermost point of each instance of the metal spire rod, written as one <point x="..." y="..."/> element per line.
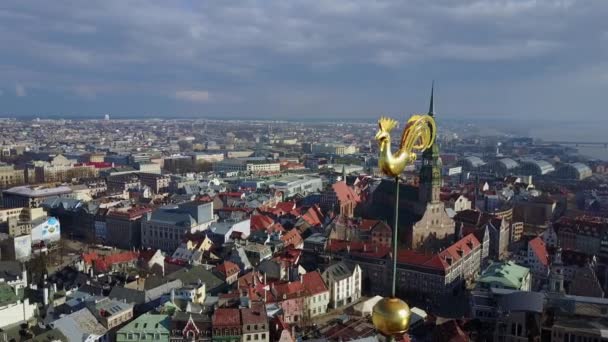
<point x="395" y="231"/>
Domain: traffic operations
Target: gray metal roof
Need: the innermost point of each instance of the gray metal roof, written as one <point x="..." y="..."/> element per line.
<point x="339" y="271"/>
<point x="173" y="218"/>
<point x="581" y="168"/>
<point x="542" y="166"/>
<point x="79" y="325"/>
<point x="475" y="161"/>
<point x="508" y="163"/>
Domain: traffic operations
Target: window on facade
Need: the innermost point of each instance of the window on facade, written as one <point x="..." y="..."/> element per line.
<point x="248" y="337"/>
<point x="263" y="336"/>
<point x="256" y="337"/>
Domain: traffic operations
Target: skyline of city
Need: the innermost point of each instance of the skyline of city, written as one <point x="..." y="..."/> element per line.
<point x="303" y="171"/>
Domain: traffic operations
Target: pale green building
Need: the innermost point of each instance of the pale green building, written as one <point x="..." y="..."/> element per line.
<point x="505" y="275"/>
<point x="146" y="327"/>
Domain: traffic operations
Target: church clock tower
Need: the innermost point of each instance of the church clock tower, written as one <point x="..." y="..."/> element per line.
<point x="430" y="173"/>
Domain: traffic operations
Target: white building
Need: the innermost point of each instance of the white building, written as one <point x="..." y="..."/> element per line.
<point x="302" y="185"/>
<point x="221" y="231"/>
<point x="344" y="284"/>
<point x="200" y="157"/>
<point x="339" y="149"/>
<point x="12" y="309"/>
<point x="195" y="293"/>
<point x="249" y="165"/>
<point x="317" y="294"/>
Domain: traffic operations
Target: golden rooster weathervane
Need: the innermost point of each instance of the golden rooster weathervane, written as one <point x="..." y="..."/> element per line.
<point x="418" y="135"/>
<point x="391" y="315"/>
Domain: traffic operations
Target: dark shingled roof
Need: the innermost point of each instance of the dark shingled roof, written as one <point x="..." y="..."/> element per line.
<point x="194" y="274"/>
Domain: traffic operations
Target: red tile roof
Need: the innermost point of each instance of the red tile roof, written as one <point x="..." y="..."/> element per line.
<point x="105" y="262"/>
<point x="443" y="260"/>
<point x="277" y="227"/>
<point x="313" y="283"/>
<point x="313" y="216"/>
<point x="88" y="258"/>
<point x="232" y="194"/>
<point x="228" y="268"/>
<point x="286" y="206"/>
<point x="290" y="255"/>
<point x="309" y="284"/>
<point x="292" y="289"/>
<point x="260" y="222"/>
<point x="292" y="238"/>
<point x="226" y="317"/>
<point x="540" y="250"/>
<point x="344" y="193"/>
<point x="358" y="248"/>
<point x="250" y="280"/>
<point x="430" y="261"/>
<point x="254" y="315"/>
<point x="461" y="248"/>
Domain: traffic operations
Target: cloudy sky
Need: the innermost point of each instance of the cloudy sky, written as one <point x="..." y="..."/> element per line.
<point x="295" y="58"/>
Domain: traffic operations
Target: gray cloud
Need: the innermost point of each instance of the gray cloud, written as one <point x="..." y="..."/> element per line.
<point x="20" y="90"/>
<point x="330" y="52"/>
<point x="200" y="96"/>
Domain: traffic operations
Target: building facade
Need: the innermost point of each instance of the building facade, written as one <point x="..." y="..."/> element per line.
<point x="344" y="284"/>
<point x="165" y="227"/>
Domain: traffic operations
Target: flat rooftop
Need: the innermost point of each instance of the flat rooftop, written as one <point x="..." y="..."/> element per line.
<point x="38" y="191"/>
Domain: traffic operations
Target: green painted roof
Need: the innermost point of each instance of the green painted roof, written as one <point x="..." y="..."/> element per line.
<point x="508" y="274"/>
<point x="148" y="323"/>
<point x="7" y="294"/>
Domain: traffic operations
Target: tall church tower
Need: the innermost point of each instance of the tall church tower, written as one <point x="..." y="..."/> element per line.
<point x="430" y="173"/>
<point x="556" y="274"/>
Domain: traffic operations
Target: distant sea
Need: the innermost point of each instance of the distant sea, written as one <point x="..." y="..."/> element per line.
<point x="576" y="131"/>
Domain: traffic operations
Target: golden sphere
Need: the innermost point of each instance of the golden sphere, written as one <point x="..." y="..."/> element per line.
<point x="391" y="316"/>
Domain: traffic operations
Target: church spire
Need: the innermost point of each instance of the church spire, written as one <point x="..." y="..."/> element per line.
<point x="431" y="104"/>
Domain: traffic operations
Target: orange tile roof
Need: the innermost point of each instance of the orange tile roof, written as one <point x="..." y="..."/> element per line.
<point x="344" y="193"/>
<point x="292" y="238"/>
<point x="88" y="258"/>
<point x="312" y="217"/>
<point x="228" y="268"/>
<point x="250" y="280"/>
<point x="540" y="250"/>
<point x="104" y="263"/>
<point x="260" y="222"/>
